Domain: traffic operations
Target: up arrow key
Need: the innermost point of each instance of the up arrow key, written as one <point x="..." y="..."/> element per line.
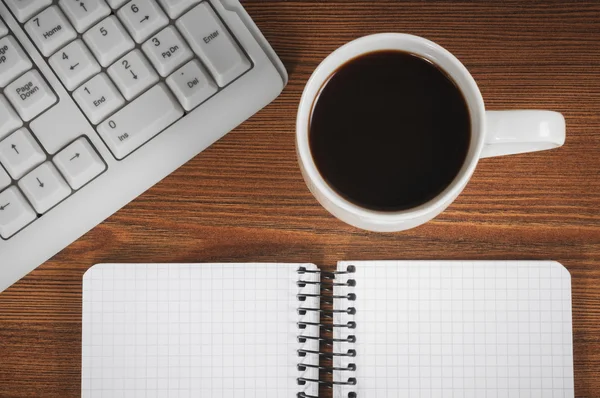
<point x="75" y="157"/>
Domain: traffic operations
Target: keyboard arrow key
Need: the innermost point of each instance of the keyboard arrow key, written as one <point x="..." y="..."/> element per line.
<point x="79" y="163"/>
<point x="15" y="214"/>
<point x="55" y="188"/>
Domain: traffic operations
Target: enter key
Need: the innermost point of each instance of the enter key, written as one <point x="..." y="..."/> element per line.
<point x="211" y="41"/>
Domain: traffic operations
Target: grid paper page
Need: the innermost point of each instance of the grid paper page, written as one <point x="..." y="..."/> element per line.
<point x="484" y="329"/>
<point x="194" y="330"/>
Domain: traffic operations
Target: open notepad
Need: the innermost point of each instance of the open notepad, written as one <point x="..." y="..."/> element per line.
<point x="401" y="329"/>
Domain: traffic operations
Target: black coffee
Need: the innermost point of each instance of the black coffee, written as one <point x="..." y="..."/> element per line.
<point x="389" y="130"/>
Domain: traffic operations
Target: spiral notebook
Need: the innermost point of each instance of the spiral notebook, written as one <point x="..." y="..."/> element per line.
<point x="401" y="329"/>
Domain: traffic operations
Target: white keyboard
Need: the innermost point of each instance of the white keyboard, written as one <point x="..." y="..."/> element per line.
<point x="101" y="99"/>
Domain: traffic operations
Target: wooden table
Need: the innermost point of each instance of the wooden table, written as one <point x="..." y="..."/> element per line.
<point x="244" y="198"/>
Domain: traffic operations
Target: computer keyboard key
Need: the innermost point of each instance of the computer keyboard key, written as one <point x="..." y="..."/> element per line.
<point x="25" y="9"/>
<point x="15" y="212"/>
<point x="175" y="8"/>
<point x="142" y="18"/>
<point x="9" y="120"/>
<point x="50" y="30"/>
<point x="13" y="60"/>
<point x="3" y="29"/>
<point x="108" y="40"/>
<point x="84" y="13"/>
<point x="98" y="98"/>
<point x="211" y="41"/>
<point x="167" y="51"/>
<point x="44" y="187"/>
<point x="191" y="85"/>
<point x="133" y="74"/>
<point x="19" y="153"/>
<point x="74" y="64"/>
<point x="138" y="122"/>
<point x="5" y="179"/>
<point x="114" y="4"/>
<point x="79" y="163"/>
<point x="30" y="95"/>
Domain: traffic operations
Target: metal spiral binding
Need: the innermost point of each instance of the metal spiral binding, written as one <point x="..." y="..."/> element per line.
<point x="327" y="284"/>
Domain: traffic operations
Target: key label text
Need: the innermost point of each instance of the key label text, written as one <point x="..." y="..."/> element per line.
<point x="211" y="37"/>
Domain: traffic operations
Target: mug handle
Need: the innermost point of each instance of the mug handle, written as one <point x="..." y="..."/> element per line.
<point x="512" y="132"/>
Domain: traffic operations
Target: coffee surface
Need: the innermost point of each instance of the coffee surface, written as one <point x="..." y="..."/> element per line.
<point x="389" y="131"/>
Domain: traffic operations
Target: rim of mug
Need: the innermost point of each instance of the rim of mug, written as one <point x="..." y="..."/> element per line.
<point x="426" y="49"/>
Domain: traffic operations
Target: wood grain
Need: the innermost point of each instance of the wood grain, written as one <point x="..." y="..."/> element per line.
<point x="244" y="199"/>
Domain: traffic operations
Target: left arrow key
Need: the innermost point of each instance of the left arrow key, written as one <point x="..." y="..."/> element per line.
<point x="16" y="213"/>
<point x="74" y="64"/>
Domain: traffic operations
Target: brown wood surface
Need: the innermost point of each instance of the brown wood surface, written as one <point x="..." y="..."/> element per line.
<point x="244" y="198"/>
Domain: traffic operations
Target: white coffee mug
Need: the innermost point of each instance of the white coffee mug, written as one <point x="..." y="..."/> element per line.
<point x="493" y="133"/>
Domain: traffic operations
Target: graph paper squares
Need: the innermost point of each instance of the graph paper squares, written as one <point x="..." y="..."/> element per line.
<point x="424" y="329"/>
<point x="204" y="330"/>
<point x="459" y="329"/>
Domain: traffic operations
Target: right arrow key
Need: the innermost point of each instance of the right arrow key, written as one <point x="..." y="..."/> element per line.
<point x="79" y="163"/>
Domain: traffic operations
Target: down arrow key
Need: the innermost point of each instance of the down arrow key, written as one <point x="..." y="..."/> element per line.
<point x="44" y="187"/>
